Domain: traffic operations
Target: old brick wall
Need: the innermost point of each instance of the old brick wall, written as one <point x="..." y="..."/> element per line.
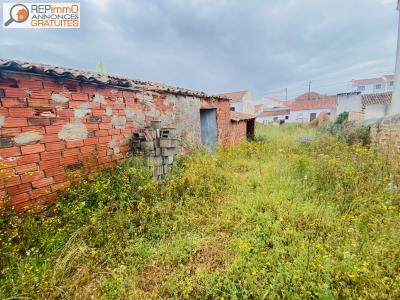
<point x="223" y="119"/>
<point x="49" y="127"/>
<point x="238" y="132"/>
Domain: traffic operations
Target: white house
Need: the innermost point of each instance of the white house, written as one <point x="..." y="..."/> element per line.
<point x="274" y="115"/>
<point x="367" y="106"/>
<point x="304" y="111"/>
<point x="241" y="101"/>
<point x="373" y="85"/>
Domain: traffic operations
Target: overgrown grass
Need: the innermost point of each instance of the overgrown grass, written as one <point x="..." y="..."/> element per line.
<point x="290" y="215"/>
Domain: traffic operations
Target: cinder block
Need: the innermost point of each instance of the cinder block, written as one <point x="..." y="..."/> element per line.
<point x="148" y="145"/>
<point x="168" y="151"/>
<point x="168" y="143"/>
<point x="168" y="159"/>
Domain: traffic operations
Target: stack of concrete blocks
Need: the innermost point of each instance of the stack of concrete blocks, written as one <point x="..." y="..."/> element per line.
<point x="159" y="145"/>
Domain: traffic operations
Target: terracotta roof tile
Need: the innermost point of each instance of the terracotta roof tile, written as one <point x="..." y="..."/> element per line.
<point x="312" y="96"/>
<point x="238" y="116"/>
<point x="275" y="112"/>
<point x="97" y="78"/>
<point x="234" y="96"/>
<point x="377" y="98"/>
<point x="327" y="102"/>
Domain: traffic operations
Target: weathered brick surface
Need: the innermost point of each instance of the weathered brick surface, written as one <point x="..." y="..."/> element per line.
<point x="386" y="134"/>
<point x="62" y="125"/>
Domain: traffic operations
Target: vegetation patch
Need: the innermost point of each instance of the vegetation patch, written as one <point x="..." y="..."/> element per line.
<point x="292" y="214"/>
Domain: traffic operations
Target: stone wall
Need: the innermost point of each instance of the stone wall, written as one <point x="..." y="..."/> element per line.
<point x="49" y="126"/>
<point x="386" y="134"/>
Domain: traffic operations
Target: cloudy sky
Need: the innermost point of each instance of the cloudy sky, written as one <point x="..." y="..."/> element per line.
<point x="223" y="45"/>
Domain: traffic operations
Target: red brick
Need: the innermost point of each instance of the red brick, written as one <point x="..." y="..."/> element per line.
<point x="88" y="149"/>
<point x="30" y="84"/>
<point x="60" y="186"/>
<point x="114" y="131"/>
<point x="104" y="139"/>
<point x="38" y="129"/>
<point x="15" y="122"/>
<point x="48" y="138"/>
<point x="91" y="141"/>
<point x="102" y="133"/>
<point x="27" y="159"/>
<point x="48" y="198"/>
<point x="30" y="149"/>
<point x="9" y="152"/>
<point x="42" y="182"/>
<point x="76" y="143"/>
<point x="4" y="164"/>
<point x="55" y="146"/>
<point x="38" y="102"/>
<point x="20" y="112"/>
<point x="71" y="152"/>
<point x="98" y="112"/>
<point x="11" y="181"/>
<point x="32" y="167"/>
<point x="20" y="198"/>
<point x="69" y="160"/>
<point x="7" y="173"/>
<point x="47" y="164"/>
<point x="105" y="126"/>
<point x="39" y="121"/>
<point x="12" y="102"/>
<point x="43" y="94"/>
<point x="65" y="113"/>
<point x="16" y="92"/>
<point x="60" y="178"/>
<point x="80" y="96"/>
<point x="104" y="159"/>
<point x="55" y="171"/>
<point x="51" y="86"/>
<point x="10" y="131"/>
<point x="40" y="192"/>
<point x="53" y="129"/>
<point x="18" y="189"/>
<point x="32" y="176"/>
<point x="74" y="104"/>
<point x="92" y="126"/>
<point x="49" y="155"/>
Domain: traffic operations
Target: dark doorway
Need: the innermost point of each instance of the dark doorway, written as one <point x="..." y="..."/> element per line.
<point x="208" y="120"/>
<point x="313" y="116"/>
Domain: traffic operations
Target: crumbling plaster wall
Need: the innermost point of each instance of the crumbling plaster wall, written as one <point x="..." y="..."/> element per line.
<point x="49" y="127"/>
<point x="385" y="133"/>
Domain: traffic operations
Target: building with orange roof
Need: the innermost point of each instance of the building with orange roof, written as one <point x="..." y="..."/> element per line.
<point x="241" y="101"/>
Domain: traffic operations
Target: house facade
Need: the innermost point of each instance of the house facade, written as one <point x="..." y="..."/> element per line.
<point x="373" y="85"/>
<point x="303" y="110"/>
<point x="274" y="115"/>
<point x="363" y="106"/>
<point x="241" y="101"/>
<point x="54" y="120"/>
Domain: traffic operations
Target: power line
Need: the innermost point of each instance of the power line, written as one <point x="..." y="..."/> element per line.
<point x="298" y="85"/>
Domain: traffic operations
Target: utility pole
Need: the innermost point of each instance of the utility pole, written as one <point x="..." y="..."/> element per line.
<point x="309" y="89"/>
<point x="286" y="93"/>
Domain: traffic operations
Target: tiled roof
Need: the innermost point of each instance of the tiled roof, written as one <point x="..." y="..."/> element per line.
<point x="275" y="112"/>
<point x="238" y="116"/>
<point x="234" y="96"/>
<point x="369" y="81"/>
<point x="389" y="77"/>
<point x="309" y="96"/>
<point x="96" y="78"/>
<point x="327" y="102"/>
<point x="377" y="98"/>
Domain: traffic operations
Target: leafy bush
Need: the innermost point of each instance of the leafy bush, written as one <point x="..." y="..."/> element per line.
<point x="348" y="132"/>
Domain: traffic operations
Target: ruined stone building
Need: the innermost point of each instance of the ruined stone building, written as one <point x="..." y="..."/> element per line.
<point x="55" y="119"/>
